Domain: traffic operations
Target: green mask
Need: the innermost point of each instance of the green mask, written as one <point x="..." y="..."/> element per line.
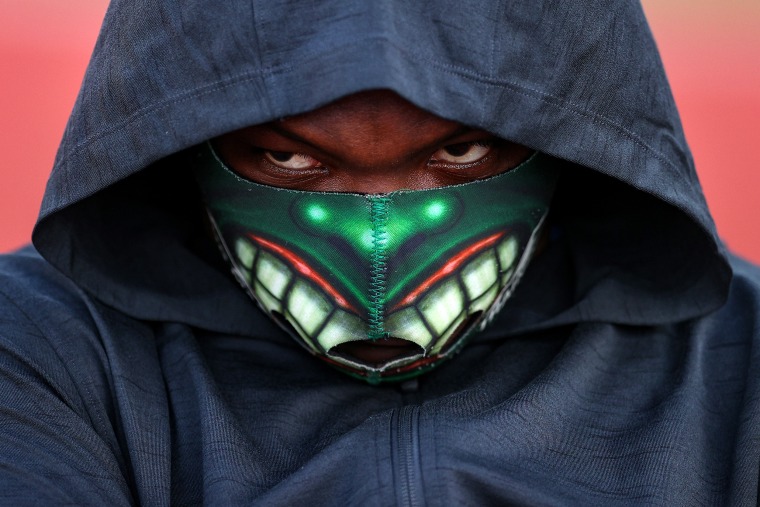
<point x="426" y="268"/>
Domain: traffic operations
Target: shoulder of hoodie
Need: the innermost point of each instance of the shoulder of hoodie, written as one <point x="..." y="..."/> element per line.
<point x="47" y="329"/>
<point x="743" y="305"/>
<point x="727" y="346"/>
<point x="59" y="435"/>
<point x="727" y="341"/>
<point x="66" y="335"/>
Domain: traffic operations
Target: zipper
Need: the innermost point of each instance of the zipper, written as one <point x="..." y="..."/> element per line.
<point x="405" y="457"/>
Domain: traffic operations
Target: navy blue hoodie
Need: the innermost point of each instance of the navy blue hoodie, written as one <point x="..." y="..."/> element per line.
<point x="625" y="370"/>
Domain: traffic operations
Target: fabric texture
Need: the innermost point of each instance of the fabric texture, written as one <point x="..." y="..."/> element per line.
<point x="133" y="370"/>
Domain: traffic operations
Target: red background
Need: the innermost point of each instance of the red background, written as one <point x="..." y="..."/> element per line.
<point x="711" y="51"/>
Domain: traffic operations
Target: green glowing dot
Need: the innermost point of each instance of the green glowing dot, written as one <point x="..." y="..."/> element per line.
<point x="316" y="213"/>
<point x="435" y="209"/>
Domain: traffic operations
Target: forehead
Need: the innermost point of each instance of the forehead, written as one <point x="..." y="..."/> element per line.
<point x="372" y="104"/>
<point x="370" y="116"/>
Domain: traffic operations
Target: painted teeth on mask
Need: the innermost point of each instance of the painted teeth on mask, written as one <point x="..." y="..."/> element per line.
<point x="246" y="254"/>
<point x="271" y="283"/>
<point x="444" y="310"/>
<point x="442" y="304"/>
<point x="480" y="274"/>
<point x="439" y="314"/>
<point x="341" y="325"/>
<point x="507" y="250"/>
<point x="273" y="274"/>
<point x="408" y="323"/>
<point x="307" y="307"/>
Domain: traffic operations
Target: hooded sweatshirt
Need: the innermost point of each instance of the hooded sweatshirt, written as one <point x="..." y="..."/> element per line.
<point x="134" y="370"/>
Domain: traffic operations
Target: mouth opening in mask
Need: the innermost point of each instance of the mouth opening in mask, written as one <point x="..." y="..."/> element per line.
<point x="377" y="353"/>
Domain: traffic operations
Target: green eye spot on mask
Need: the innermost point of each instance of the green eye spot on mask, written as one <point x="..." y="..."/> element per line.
<point x="412" y="273"/>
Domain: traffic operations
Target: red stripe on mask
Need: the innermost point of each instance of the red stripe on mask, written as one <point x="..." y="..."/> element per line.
<point x="302" y="267"/>
<point x="449" y="267"/>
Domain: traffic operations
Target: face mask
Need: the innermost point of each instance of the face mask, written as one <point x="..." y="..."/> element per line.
<point x="422" y="268"/>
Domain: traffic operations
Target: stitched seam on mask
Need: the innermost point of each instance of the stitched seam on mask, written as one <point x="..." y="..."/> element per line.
<point x="379" y="216"/>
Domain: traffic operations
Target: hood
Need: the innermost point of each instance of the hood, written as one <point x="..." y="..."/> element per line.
<point x="632" y="242"/>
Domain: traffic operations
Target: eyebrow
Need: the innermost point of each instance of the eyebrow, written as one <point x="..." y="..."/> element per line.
<point x="460" y="130"/>
<point x="290" y="135"/>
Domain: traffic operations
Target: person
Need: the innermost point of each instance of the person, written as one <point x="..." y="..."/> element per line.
<point x="486" y="213"/>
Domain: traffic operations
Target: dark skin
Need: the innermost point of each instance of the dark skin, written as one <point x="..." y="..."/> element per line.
<point x="368" y="143"/>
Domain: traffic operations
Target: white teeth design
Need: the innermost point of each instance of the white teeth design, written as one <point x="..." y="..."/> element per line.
<point x="429" y="325"/>
<point x="444" y="338"/>
<point x="480" y="274"/>
<point x="266" y="299"/>
<point x="484" y="302"/>
<point x="408" y="325"/>
<point x="341" y="328"/>
<point x="506" y="276"/>
<point x="307" y="307"/>
<point x="442" y="305"/>
<point x="273" y="274"/>
<point x="507" y="253"/>
<point x="245" y="252"/>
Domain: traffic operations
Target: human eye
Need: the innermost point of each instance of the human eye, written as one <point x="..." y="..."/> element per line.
<point x="464" y="154"/>
<point x="290" y="161"/>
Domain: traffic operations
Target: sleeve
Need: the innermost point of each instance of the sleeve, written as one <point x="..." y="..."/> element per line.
<point x="58" y="444"/>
